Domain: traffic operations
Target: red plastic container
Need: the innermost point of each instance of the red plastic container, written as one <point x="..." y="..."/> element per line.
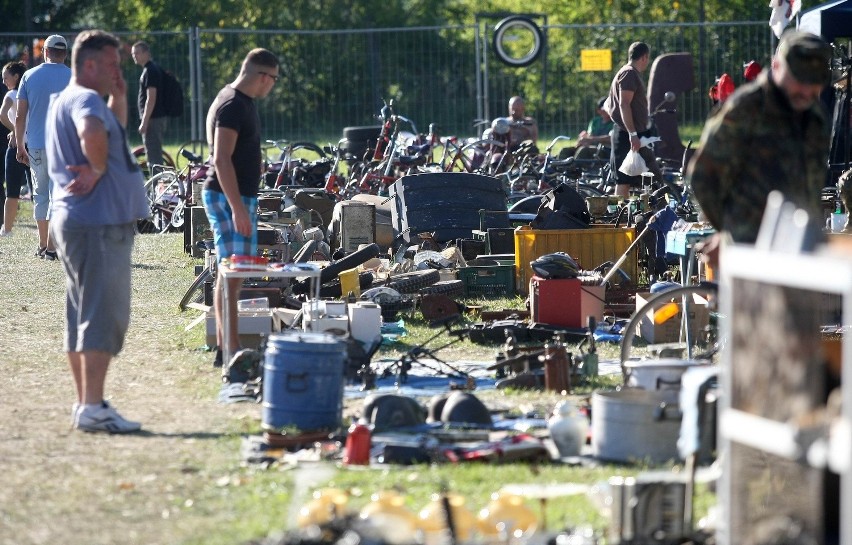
<point x="357" y="449"/>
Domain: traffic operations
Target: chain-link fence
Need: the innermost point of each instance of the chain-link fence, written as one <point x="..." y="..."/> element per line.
<point x="449" y="75"/>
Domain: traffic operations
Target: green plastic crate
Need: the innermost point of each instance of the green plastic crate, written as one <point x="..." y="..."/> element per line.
<point x="489" y="281"/>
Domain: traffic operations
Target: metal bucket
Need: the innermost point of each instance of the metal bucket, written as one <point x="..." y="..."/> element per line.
<point x="633" y="424"/>
<point x="303" y="381"/>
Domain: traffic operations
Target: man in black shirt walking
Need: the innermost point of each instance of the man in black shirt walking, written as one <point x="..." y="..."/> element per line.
<point x="152" y="115"/>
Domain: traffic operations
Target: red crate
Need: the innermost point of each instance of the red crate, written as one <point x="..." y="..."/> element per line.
<point x="565" y="302"/>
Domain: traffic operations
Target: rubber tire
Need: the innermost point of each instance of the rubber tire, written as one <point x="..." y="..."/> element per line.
<point x="414" y="281"/>
<point x="517" y="21"/>
<point x="390" y="310"/>
<point x="450" y="288"/>
<point x="197" y="285"/>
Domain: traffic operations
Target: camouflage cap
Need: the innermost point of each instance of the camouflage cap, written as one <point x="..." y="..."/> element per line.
<point x="807" y="55"/>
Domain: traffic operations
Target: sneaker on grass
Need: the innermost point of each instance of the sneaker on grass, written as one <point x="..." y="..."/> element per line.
<point x="104" y="418"/>
<point x="50" y="255"/>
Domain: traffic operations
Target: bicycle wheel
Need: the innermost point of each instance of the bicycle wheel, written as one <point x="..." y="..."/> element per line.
<point x="197" y="147"/>
<point x="178" y="217"/>
<point x="195" y="292"/>
<point x="142" y="158"/>
<point x="680" y="303"/>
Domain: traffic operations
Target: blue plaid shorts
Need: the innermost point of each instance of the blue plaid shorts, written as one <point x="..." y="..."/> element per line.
<point x="225" y="236"/>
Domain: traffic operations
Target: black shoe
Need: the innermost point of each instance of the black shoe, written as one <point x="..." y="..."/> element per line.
<point x="50" y="255"/>
<point x="217" y="361"/>
<point x="244" y="366"/>
<point x="39" y="253"/>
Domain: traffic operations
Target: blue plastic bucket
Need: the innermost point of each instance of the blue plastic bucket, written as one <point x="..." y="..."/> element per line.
<point x="303" y="377"/>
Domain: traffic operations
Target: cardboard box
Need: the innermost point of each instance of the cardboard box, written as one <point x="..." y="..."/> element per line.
<point x="253" y="326"/>
<point x="668" y="330"/>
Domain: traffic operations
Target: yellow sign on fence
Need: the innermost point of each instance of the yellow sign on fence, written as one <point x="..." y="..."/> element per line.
<point x="599" y="60"/>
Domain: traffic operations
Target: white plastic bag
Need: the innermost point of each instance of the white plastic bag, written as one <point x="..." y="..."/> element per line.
<point x="633" y="164"/>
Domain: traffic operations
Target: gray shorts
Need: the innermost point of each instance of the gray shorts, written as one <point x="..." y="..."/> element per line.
<point x="97" y="277"/>
<point x="42" y="187"/>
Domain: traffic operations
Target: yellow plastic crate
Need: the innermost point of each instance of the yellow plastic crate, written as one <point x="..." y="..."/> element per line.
<point x="590" y="247"/>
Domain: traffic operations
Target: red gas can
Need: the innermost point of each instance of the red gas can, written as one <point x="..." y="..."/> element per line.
<point x="357" y="449"/>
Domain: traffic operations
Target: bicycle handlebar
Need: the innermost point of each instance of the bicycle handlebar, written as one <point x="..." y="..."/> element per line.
<point x="554" y="141"/>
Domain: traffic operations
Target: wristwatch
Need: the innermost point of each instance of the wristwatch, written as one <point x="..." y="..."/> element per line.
<point x="632" y="134"/>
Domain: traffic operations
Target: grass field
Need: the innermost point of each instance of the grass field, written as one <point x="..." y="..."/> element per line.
<point x="182" y="480"/>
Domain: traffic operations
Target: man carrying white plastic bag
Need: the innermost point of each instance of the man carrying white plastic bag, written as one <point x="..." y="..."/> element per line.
<point x="633" y="164"/>
<point x="627" y="104"/>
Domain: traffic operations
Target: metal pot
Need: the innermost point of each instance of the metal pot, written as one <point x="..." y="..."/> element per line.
<point x="658" y="375"/>
<point x="633" y="424"/>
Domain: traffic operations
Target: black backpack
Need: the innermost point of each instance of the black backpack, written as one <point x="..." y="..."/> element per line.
<point x="562" y="208"/>
<point x="172" y="95"/>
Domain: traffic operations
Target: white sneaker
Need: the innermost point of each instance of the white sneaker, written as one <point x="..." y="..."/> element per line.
<point x="75" y="410"/>
<point x="4" y="232"/>
<point x="105" y="419"/>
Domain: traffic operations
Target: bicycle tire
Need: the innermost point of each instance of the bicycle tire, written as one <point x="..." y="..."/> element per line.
<point x="152" y="183"/>
<point x="178" y="218"/>
<point x="195" y="292"/>
<point x="197" y="147"/>
<point x="658" y="299"/>
<point x="141" y="157"/>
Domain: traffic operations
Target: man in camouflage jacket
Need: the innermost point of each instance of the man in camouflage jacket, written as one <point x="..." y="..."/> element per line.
<point x="771" y="134"/>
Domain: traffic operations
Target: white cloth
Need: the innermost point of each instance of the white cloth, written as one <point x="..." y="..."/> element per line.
<point x="782" y="12"/>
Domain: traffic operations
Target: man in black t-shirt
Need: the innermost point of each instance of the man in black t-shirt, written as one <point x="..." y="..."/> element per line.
<point x="230" y="191"/>
<point x="152" y="115"/>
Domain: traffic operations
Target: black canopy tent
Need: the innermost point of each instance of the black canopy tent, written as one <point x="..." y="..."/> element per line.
<point x="833" y="20"/>
<point x="830" y="20"/>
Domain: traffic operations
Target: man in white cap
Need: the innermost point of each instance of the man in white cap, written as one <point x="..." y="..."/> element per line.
<point x="37" y="84"/>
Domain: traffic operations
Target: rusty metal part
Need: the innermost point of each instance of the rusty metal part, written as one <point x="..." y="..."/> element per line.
<point x="520" y="362"/>
<point x="438" y="307"/>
